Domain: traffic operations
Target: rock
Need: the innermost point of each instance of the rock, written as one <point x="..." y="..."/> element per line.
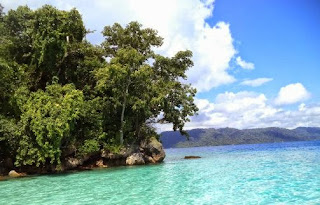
<point x="135" y="159"/>
<point x="123" y="153"/>
<point x="192" y="157"/>
<point x="100" y="163"/>
<point x="72" y="163"/>
<point x="149" y="159"/>
<point x="13" y="173"/>
<point x="152" y="147"/>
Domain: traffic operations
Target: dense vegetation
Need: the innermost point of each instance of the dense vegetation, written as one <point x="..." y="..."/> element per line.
<point x="230" y="136"/>
<point x="59" y="93"/>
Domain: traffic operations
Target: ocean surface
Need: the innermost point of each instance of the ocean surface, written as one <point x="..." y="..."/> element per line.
<point x="281" y="173"/>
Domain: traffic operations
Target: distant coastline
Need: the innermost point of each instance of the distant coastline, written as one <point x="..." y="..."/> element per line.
<point x="232" y="136"/>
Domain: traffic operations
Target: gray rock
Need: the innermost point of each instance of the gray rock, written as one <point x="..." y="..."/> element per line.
<point x="13" y="173"/>
<point x="135" y="159"/>
<point x="192" y="157"/>
<point x="149" y="159"/>
<point x="99" y="163"/>
<point x="72" y="163"/>
<point x="152" y="147"/>
<point x="124" y="153"/>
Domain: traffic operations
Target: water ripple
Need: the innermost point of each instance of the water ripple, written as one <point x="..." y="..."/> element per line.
<point x="285" y="173"/>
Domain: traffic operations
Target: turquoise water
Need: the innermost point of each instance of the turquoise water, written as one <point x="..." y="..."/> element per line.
<point x="283" y="173"/>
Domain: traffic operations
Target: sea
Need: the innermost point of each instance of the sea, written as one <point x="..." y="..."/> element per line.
<point x="278" y="173"/>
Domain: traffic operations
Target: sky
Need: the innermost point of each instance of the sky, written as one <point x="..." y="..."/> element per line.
<point x="256" y="63"/>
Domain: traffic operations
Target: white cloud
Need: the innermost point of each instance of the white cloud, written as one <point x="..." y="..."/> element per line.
<point x="213" y="49"/>
<point x="239" y="110"/>
<point x="181" y="22"/>
<point x="256" y="82"/>
<point x="250" y="110"/>
<point x="291" y="94"/>
<point x="302" y="107"/>
<point x="243" y="64"/>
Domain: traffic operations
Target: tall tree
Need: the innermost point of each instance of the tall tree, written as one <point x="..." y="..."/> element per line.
<point x="37" y="120"/>
<point x="43" y="40"/>
<point x="61" y="96"/>
<point x="141" y="89"/>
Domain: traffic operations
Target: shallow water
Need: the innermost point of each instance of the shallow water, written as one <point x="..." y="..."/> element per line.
<point x="282" y="173"/>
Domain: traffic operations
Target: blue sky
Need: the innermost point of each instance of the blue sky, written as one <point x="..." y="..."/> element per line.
<point x="280" y="37"/>
<point x="256" y="61"/>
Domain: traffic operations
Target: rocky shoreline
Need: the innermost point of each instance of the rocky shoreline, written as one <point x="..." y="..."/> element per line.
<point x="149" y="151"/>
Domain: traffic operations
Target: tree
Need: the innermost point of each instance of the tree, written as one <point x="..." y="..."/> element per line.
<point x="48" y="119"/>
<point x="141" y="91"/>
<point x="54" y="35"/>
<point x="61" y="96"/>
<point x="36" y="47"/>
<point x="43" y="40"/>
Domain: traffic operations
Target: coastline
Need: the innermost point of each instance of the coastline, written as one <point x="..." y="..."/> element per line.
<point x="147" y="152"/>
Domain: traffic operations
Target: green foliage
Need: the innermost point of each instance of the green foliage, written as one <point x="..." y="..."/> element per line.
<point x="88" y="147"/>
<point x="47" y="119"/>
<point x="42" y="39"/>
<point x="133" y="36"/>
<point x="58" y="92"/>
<point x="141" y="91"/>
<point x="113" y="146"/>
<point x="10" y="131"/>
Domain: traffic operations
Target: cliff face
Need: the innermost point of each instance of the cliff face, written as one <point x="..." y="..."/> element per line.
<point x="228" y="136"/>
<point x="149" y="151"/>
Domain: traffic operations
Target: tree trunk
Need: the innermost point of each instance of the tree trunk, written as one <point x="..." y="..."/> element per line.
<point x="137" y="128"/>
<point x="122" y="112"/>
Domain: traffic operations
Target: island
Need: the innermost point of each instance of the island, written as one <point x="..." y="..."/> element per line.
<point x="232" y="136"/>
<point x="66" y="103"/>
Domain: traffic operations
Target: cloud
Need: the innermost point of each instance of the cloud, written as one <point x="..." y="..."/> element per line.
<point x="243" y="64"/>
<point x="256" y="82"/>
<point x="250" y="110"/>
<point x="213" y="50"/>
<point x="240" y="110"/>
<point x="291" y="94"/>
<point x="182" y="23"/>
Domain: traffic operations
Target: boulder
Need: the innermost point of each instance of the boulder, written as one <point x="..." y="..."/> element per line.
<point x="152" y="147"/>
<point x="192" y="157"/>
<point x="100" y="163"/>
<point x="123" y="153"/>
<point x="135" y="159"/>
<point x="15" y="174"/>
<point x="149" y="159"/>
<point x="72" y="162"/>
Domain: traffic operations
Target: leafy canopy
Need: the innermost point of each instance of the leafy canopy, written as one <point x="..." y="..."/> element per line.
<point x="61" y="96"/>
<point x="48" y="119"/>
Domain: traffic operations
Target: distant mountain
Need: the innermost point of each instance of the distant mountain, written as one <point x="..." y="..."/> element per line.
<point x="228" y="136"/>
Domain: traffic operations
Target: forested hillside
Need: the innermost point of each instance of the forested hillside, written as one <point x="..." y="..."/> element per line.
<point x="230" y="136"/>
